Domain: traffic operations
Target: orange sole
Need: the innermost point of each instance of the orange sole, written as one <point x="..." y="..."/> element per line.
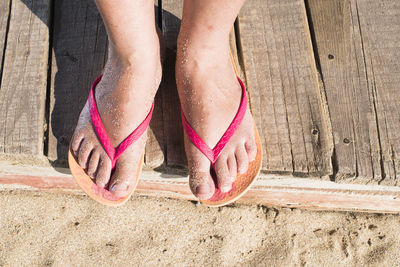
<point x="243" y="181"/>
<point x="97" y="193"/>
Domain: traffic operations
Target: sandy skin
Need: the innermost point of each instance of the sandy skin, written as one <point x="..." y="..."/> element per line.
<point x="123" y="96"/>
<point x="210" y="95"/>
<point x="208" y="89"/>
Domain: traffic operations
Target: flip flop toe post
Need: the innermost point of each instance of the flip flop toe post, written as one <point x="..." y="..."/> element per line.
<point x="99" y="194"/>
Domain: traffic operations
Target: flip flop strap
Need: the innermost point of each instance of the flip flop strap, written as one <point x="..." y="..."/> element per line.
<point x="213" y="154"/>
<point x="113" y="153"/>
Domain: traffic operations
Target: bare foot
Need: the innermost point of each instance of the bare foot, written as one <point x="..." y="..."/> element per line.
<point x="210" y="96"/>
<point x="124" y="97"/>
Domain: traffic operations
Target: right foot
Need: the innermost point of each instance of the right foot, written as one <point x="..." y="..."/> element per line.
<point x="124" y="97"/>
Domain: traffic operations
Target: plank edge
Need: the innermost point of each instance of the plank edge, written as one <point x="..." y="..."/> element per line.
<point x="269" y="190"/>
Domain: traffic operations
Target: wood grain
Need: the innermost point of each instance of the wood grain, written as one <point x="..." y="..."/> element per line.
<point x="171" y="16"/>
<point x="358" y="46"/>
<point x="24" y="79"/>
<point x="284" y="93"/>
<point x="154" y="156"/>
<point x="379" y="23"/>
<point x="5" y="12"/>
<point x="80" y="45"/>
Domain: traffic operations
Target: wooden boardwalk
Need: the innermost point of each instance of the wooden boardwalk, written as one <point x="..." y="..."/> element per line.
<point x="322" y="77"/>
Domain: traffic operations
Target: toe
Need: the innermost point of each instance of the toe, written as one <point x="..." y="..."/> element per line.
<point x="93" y="163"/>
<point x="123" y="179"/>
<point x="103" y="171"/>
<point x="201" y="184"/>
<point x="251" y="149"/>
<point x="242" y="159"/>
<point x="76" y="142"/>
<point x="200" y="180"/>
<point x="84" y="153"/>
<point x="232" y="166"/>
<point x="224" y="179"/>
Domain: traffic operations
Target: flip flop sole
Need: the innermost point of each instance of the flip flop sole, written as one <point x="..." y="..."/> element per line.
<point x="242" y="182"/>
<point x="97" y="193"/>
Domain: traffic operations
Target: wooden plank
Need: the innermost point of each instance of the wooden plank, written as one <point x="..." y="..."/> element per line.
<point x="284" y="93"/>
<point x="24" y="78"/>
<point x="352" y="116"/>
<point x="80" y="45"/>
<point x="379" y="23"/>
<point x="171" y="20"/>
<point x="154" y="156"/>
<point x="270" y="190"/>
<point x="5" y="11"/>
<point x="358" y="46"/>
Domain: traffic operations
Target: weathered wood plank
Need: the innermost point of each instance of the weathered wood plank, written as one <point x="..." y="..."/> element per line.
<point x="358" y="45"/>
<point x="379" y="23"/>
<point x="270" y="190"/>
<point x="80" y="45"/>
<point x="154" y="155"/>
<point x="24" y="79"/>
<point x="284" y="93"/>
<point x="171" y="15"/>
<point x="339" y="47"/>
<point x="5" y="12"/>
<point x="154" y="151"/>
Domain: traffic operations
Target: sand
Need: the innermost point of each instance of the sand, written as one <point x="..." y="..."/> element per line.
<point x="55" y="229"/>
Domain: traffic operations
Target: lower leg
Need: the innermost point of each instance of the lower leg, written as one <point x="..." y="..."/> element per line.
<point x="130" y="28"/>
<point x="210" y="93"/>
<point x="203" y="48"/>
<point x="209" y="20"/>
<point x="133" y="62"/>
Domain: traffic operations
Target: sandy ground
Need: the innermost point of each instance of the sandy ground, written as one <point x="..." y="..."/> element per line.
<point x="52" y="229"/>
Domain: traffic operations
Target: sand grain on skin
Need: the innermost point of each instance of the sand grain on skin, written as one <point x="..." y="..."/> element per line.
<point x="49" y="229"/>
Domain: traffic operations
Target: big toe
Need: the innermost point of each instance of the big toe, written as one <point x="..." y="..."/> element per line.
<point x="123" y="179"/>
<point x="202" y="184"/>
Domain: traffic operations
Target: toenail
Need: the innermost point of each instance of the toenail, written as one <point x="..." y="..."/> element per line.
<point x="114" y="187"/>
<point x="121" y="186"/>
<point x="202" y="189"/>
<point x="225" y="188"/>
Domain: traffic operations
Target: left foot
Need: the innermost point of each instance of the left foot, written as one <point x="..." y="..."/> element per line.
<point x="210" y="96"/>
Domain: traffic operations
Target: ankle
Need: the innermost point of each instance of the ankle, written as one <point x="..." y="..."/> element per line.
<point x="147" y="54"/>
<point x="202" y="43"/>
<point x="197" y="59"/>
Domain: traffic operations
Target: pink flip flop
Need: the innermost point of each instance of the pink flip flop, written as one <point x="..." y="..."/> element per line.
<point x="97" y="193"/>
<point x="243" y="181"/>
